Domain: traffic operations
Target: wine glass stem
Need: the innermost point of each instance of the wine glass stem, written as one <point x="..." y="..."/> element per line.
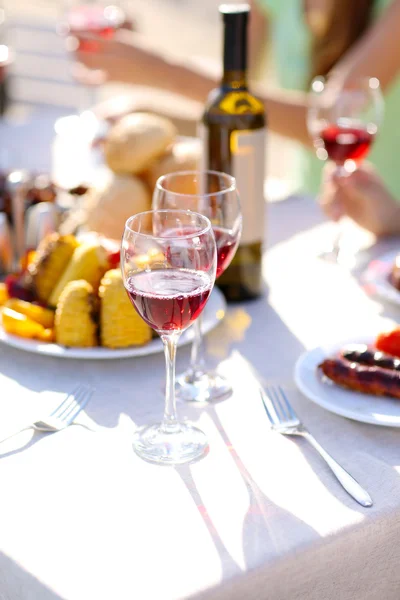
<point x="341" y="171"/>
<point x="197" y="353"/>
<point x="336" y="243"/>
<point x="170" y="421"/>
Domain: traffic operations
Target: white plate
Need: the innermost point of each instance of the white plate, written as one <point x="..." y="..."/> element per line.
<point x="353" y="405"/>
<point x="376" y="277"/>
<point x="214" y="312"/>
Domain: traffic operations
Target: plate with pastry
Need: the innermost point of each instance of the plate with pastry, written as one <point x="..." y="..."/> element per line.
<point x="382" y="277"/>
<point x="358" y="379"/>
<point x="69" y="301"/>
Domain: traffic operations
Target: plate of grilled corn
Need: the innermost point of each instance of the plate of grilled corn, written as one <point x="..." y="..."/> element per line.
<point x="69" y="301"/>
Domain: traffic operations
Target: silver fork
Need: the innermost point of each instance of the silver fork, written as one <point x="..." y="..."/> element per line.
<point x="63" y="415"/>
<point x="284" y="420"/>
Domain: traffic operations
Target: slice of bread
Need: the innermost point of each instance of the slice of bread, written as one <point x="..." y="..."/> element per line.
<point x="136" y="140"/>
<point x="107" y="209"/>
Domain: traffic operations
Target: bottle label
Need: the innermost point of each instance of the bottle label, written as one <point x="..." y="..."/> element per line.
<point x="240" y="103"/>
<point x="247" y="165"/>
<point x="248" y="168"/>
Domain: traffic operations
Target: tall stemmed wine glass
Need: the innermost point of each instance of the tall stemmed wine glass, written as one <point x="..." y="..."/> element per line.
<point x="214" y="195"/>
<point x="343" y="123"/>
<point x="168" y="262"/>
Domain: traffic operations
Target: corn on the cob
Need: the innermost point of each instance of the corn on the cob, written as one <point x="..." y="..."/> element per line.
<point x="75" y="322"/>
<point x="120" y="324"/>
<point x="41" y="315"/>
<point x="18" y="324"/>
<point x="52" y="257"/>
<point x="88" y="262"/>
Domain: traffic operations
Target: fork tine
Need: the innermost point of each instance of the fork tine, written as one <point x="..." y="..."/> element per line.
<point x="279" y="408"/>
<point x="64" y="404"/>
<point x="79" y="406"/>
<point x="289" y="406"/>
<point x="69" y="403"/>
<point x="271" y="414"/>
<point x="79" y="394"/>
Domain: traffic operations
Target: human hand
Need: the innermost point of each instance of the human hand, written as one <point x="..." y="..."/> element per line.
<point x="113" y="57"/>
<point x="363" y="197"/>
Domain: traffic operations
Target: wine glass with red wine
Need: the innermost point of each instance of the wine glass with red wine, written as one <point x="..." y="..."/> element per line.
<point x="343" y="123"/>
<point x="169" y="262"/>
<point x="94" y="19"/>
<point x="214" y="195"/>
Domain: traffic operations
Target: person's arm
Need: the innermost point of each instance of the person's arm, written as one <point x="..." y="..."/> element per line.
<point x="132" y="60"/>
<point x="129" y="58"/>
<point x="376" y="54"/>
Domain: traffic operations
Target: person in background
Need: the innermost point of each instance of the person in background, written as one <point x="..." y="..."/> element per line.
<point x="344" y="39"/>
<point x="363" y="197"/>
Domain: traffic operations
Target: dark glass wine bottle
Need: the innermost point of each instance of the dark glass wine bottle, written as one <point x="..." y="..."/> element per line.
<point x="233" y="131"/>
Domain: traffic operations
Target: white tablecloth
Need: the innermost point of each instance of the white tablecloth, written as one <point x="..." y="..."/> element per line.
<point x="260" y="517"/>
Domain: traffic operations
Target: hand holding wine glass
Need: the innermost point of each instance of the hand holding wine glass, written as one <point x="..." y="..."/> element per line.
<point x="344" y="123"/>
<point x="214" y="195"/>
<point x="363" y="197"/>
<point x="84" y="24"/>
<point x="168" y="262"/>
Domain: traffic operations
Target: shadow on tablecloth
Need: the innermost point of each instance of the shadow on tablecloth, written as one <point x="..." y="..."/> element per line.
<point x="24" y="585"/>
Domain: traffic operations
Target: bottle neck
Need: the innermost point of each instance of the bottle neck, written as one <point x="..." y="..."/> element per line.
<point x="235" y="52"/>
<point x="234" y="80"/>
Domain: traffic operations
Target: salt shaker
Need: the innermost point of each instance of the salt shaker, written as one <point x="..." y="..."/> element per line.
<point x="40" y="220"/>
<point x="17" y="183"/>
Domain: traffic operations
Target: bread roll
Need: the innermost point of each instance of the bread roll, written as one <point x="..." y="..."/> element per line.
<point x="182" y="156"/>
<point x="107" y="209"/>
<point x="136" y="140"/>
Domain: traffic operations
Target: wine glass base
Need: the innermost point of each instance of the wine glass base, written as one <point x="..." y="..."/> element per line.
<point x="202" y="387"/>
<point x="183" y="444"/>
<point x="338" y="257"/>
<point x="331" y="255"/>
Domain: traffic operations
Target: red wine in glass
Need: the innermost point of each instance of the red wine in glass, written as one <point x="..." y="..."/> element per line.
<point x="346" y="143"/>
<point x="102" y="21"/>
<point x="226" y="243"/>
<point x="169" y="299"/>
<point x="225" y="239"/>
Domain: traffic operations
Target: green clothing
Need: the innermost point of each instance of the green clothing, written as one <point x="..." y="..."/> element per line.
<point x="291" y="44"/>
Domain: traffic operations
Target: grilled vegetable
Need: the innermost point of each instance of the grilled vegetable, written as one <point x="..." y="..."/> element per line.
<point x="371" y="358"/>
<point x="41" y="315"/>
<point x="389" y="341"/>
<point x="52" y="257"/>
<point x="361" y="378"/>
<point x="3" y="293"/>
<point x="120" y="324"/>
<point x="75" y="322"/>
<point x="19" y="324"/>
<point x="20" y="286"/>
<point x="28" y="258"/>
<point x="48" y="335"/>
<point x="88" y="262"/>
